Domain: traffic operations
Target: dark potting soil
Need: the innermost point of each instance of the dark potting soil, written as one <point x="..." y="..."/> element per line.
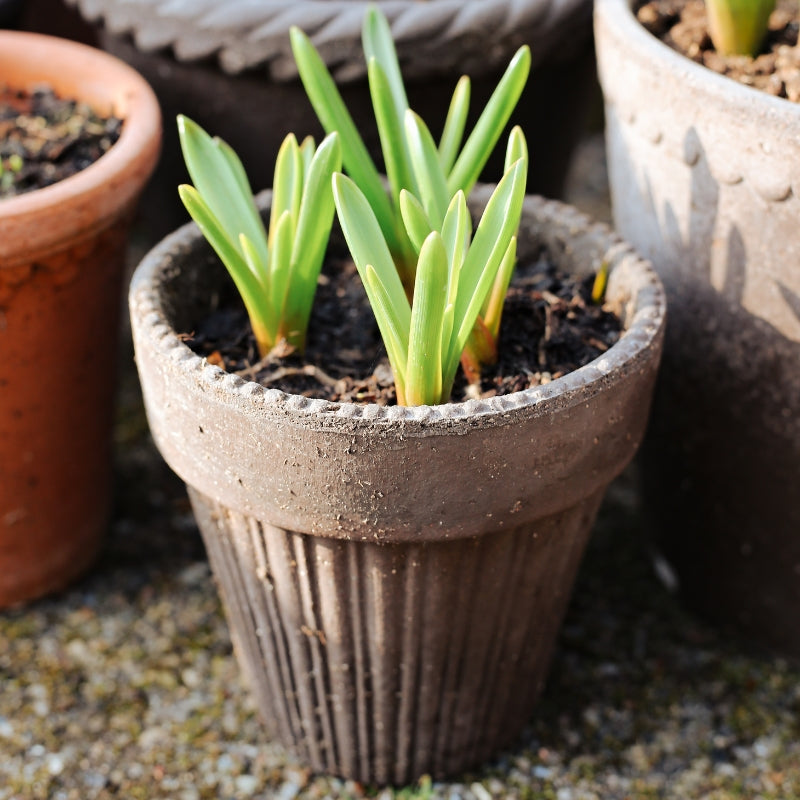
<point x="682" y="24"/>
<point x="549" y="327"/>
<point x="45" y="138"/>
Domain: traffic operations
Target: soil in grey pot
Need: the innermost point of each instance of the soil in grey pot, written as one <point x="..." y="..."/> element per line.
<point x="395" y="577"/>
<point x="705" y="181"/>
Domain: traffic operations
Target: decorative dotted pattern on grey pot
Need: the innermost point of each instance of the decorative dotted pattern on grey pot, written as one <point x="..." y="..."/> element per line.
<point x="705" y="181"/>
<point x="387" y="662"/>
<point x="432" y="37"/>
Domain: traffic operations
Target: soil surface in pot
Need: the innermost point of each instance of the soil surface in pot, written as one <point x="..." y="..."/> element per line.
<point x="550" y="326"/>
<point x="45" y="138"/>
<point x="683" y="25"/>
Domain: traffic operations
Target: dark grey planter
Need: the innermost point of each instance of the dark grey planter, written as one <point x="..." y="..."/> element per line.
<point x="395" y="577"/>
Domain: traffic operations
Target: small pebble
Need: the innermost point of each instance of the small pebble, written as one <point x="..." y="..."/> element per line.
<point x="248" y="784"/>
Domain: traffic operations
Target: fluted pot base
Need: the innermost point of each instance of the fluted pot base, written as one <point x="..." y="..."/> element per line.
<point x="389" y="661"/>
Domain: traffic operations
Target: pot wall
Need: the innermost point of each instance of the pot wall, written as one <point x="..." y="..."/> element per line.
<point x="394" y="577"/>
<point x="62" y="253"/>
<point x="705" y="176"/>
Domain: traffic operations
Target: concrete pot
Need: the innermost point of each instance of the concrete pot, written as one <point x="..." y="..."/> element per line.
<point x="394" y="578"/>
<point x="62" y="252"/>
<point x="229" y="67"/>
<point x="705" y="181"/>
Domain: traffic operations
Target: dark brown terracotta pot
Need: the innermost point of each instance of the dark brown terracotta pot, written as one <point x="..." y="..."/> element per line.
<point x="61" y="259"/>
<point x="705" y="181"/>
<point x="394" y="578"/>
<point x="229" y="67"/>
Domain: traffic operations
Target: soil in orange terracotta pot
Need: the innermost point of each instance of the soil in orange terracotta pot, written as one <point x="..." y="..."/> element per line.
<point x="683" y="25"/>
<point x="45" y="138"/>
<point x="550" y="326"/>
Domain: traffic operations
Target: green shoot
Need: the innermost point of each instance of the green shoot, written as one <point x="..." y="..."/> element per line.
<point x="459" y="167"/>
<point x="600" y="283"/>
<point x="275" y="273"/>
<point x="738" y="27"/>
<point x="8" y="169"/>
<point x="481" y="348"/>
<point x="455" y="272"/>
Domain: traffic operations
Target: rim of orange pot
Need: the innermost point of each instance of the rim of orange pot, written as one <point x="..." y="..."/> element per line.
<point x="38" y="222"/>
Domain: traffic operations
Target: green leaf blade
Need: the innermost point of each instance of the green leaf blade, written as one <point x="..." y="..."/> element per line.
<point x="454" y="124"/>
<point x="738" y="27"/>
<point x="516" y="149"/>
<point x="430" y="178"/>
<point x="364" y="236"/>
<point x="393" y="323"/>
<point x="416" y="221"/>
<point x="498" y="224"/>
<point x="284" y="183"/>
<point x="490" y="124"/>
<point x="456" y="232"/>
<point x="492" y="311"/>
<point x="334" y="117"/>
<point x="219" y="178"/>
<point x="390" y="131"/>
<point x="247" y="283"/>
<point x="280" y="263"/>
<point x="315" y="217"/>
<point x="376" y="36"/>
<point x="424" y="366"/>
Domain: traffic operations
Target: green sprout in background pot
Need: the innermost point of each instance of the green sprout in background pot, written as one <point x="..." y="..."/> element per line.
<point x="459" y="167"/>
<point x="738" y="27"/>
<point x="9" y="169"/>
<point x="275" y="272"/>
<point x="457" y="276"/>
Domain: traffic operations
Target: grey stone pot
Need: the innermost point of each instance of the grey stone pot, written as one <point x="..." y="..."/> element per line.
<point x="705" y="181"/>
<point x="394" y="578"/>
<point x="228" y="66"/>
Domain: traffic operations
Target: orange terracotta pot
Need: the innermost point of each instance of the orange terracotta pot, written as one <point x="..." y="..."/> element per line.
<point x="62" y="252"/>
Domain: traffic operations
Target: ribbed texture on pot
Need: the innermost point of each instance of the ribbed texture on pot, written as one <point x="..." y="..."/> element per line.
<point x="371" y="661"/>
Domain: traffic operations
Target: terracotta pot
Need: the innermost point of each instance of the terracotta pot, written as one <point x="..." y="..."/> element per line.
<point x="705" y="181"/>
<point x="216" y="61"/>
<point x="394" y="578"/>
<point x="61" y="259"/>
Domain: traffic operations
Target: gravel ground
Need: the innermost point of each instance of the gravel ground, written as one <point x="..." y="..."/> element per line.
<point x="126" y="687"/>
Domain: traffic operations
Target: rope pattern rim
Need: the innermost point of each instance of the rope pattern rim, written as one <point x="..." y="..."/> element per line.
<point x="432" y="37"/>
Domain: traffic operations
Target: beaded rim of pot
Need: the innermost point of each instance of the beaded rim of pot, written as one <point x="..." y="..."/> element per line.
<point x="432" y="37"/>
<point x="643" y="317"/>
